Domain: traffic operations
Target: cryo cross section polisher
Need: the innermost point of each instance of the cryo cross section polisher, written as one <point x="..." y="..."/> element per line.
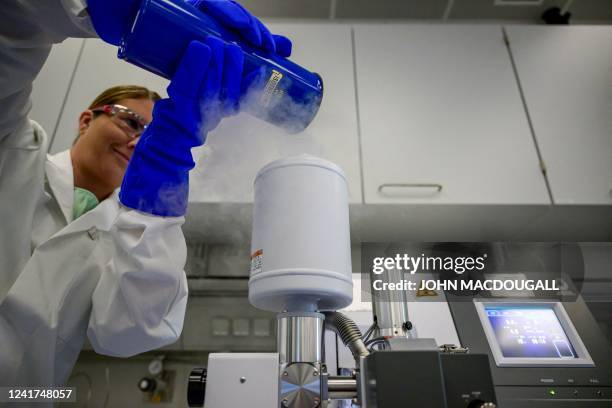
<point x="301" y="269"/>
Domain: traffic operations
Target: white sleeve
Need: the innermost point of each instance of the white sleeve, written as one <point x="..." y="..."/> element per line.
<point x="121" y="283"/>
<point x="139" y="303"/>
<point x="28" y="29"/>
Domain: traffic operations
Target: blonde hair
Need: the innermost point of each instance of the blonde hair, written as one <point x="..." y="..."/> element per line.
<point x="120" y="92"/>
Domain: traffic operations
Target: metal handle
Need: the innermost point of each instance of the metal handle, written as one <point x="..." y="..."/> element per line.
<point x="437" y="186"/>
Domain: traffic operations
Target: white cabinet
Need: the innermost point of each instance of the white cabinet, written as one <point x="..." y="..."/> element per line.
<point x="51" y="85"/>
<point x="98" y="69"/>
<point x="566" y="74"/>
<point x="235" y="151"/>
<point x="442" y="119"/>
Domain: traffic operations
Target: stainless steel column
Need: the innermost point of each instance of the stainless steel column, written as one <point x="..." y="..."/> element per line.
<point x="300" y="338"/>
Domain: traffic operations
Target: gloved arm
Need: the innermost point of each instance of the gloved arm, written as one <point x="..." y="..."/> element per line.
<point x="139" y="304"/>
<point x="204" y="89"/>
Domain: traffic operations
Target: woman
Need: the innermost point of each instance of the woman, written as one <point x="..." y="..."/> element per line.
<point x="78" y="256"/>
<point x="108" y="132"/>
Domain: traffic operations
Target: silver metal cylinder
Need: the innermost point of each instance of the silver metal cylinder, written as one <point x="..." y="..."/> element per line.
<point x="342" y="387"/>
<point x="300" y="337"/>
<point x="390" y="307"/>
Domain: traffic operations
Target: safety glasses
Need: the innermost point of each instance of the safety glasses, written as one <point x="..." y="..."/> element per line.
<point x="129" y="121"/>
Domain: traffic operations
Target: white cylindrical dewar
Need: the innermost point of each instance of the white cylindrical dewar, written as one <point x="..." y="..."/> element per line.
<point x="300" y="244"/>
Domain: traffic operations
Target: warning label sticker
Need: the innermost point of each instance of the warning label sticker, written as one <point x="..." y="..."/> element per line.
<point x="256" y="261"/>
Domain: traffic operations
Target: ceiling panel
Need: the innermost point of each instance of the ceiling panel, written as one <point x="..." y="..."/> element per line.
<point x="390" y="9"/>
<point x="583" y="11"/>
<point x="487" y="10"/>
<point x="288" y="8"/>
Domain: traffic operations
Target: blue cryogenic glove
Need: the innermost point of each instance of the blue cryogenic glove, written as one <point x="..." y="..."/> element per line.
<point x="111" y="18"/>
<point x="204" y="89"/>
<point x="283" y="45"/>
<point x="234" y="16"/>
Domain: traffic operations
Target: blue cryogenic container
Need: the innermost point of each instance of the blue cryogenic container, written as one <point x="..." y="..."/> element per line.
<point x="287" y="95"/>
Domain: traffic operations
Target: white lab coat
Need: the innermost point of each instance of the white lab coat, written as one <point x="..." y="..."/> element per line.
<point x="114" y="274"/>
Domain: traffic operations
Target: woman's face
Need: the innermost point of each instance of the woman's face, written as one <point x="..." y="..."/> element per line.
<point x="103" y="149"/>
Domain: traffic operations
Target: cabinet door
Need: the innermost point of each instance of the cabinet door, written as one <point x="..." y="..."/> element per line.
<point x="442" y="119"/>
<point x="566" y="74"/>
<point x="51" y="85"/>
<point x="98" y="69"/>
<point x="240" y="146"/>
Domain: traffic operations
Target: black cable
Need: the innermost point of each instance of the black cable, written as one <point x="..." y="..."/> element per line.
<point x="370" y="331"/>
<point x="367" y="343"/>
<point x="371" y="344"/>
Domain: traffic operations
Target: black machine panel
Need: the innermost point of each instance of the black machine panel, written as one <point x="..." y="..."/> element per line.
<point x="401" y="379"/>
<point x="536" y="386"/>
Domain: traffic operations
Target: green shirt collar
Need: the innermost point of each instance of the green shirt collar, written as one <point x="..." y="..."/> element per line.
<point x="84" y="200"/>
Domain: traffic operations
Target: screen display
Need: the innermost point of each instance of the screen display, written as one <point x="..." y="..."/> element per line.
<point x="529" y="332"/>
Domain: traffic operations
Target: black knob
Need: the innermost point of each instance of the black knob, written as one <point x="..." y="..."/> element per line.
<point x="196" y="389"/>
<point x="553" y="16"/>
<point x="146" y="384"/>
<point x="407" y="326"/>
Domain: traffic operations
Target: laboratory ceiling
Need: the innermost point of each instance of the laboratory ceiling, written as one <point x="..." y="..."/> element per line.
<point x="527" y="11"/>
